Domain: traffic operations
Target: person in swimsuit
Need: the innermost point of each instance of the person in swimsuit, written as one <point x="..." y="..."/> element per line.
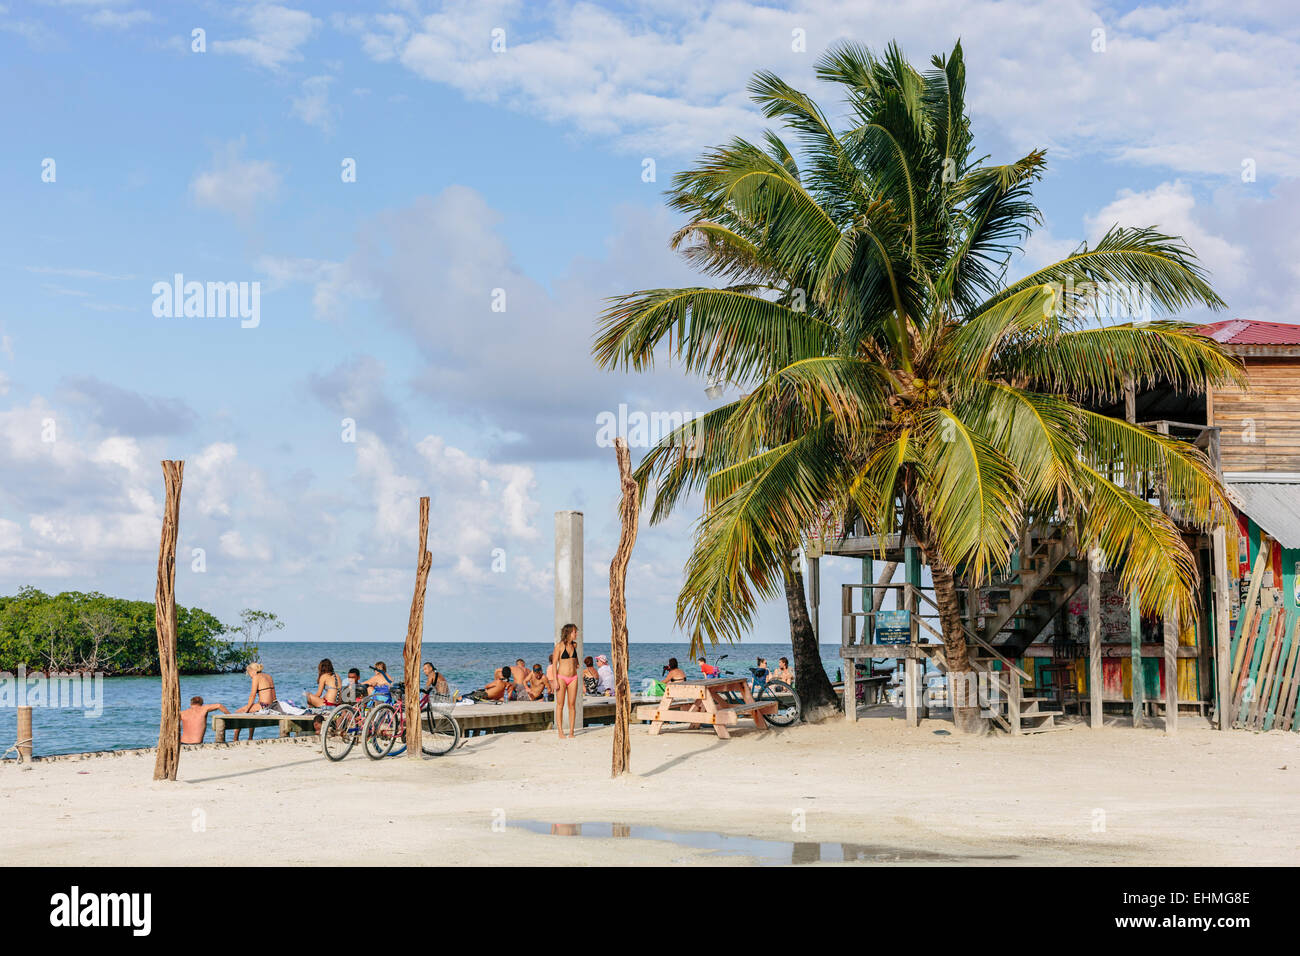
<point x="590" y="679"/>
<point x="783" y="672"/>
<point x="261" y="696"/>
<point x="434" y="682"/>
<point x="327" y="686"/>
<point x="566" y="678"/>
<point x="380" y="680"/>
<point x="673" y="673"/>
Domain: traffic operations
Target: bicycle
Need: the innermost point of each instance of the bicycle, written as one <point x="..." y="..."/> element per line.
<point x="766" y="690"/>
<point x="343" y="727"/>
<point x="386" y="725"/>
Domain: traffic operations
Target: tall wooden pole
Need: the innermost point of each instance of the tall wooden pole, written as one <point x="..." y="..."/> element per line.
<point x="629" y="509"/>
<point x="415" y="637"/>
<point x="1095" y="714"/>
<point x="169" y="722"/>
<point x="1222" y="635"/>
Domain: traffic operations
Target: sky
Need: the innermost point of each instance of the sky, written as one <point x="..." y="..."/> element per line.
<point x="431" y="202"/>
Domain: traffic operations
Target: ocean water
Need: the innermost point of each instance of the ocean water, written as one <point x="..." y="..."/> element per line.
<point x="130" y="705"/>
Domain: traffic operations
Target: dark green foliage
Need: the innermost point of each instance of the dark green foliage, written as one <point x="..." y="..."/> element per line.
<point x="73" y="631"/>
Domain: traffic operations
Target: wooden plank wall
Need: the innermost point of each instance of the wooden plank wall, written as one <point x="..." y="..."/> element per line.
<point x="1259" y="430"/>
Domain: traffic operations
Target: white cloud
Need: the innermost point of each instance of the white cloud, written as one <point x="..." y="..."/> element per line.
<point x="669" y="79"/>
<point x="313" y="106"/>
<point x="118" y="19"/>
<point x="235" y="185"/>
<point x="277" y="33"/>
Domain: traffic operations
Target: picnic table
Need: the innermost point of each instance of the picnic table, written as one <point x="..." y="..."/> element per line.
<point x="706" y="701"/>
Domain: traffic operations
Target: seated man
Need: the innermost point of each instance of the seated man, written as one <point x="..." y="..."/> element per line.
<point x="536" y="683"/>
<point x="353" y="690"/>
<point x="194" y="720"/>
<point x="605" y="684"/>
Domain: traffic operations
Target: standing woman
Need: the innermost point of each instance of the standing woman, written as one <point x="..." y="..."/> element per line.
<point x="567" y="687"/>
<point x="327" y="686"/>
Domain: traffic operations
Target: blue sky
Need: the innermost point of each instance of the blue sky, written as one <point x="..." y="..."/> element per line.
<point x="518" y="169"/>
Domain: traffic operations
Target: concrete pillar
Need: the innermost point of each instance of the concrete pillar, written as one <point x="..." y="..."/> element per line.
<point x="568" y="585"/>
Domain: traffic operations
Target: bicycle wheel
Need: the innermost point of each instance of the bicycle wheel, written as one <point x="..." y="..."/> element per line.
<point x="339" y="732"/>
<point x="787" y="702"/>
<point x="380" y="732"/>
<point x="440" y="733"/>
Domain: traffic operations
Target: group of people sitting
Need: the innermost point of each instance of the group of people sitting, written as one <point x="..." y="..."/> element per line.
<point x="330" y="691"/>
<point x="518" y="681"/>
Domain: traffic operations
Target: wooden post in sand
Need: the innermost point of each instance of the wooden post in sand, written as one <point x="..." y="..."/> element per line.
<point x="629" y="509"/>
<point x="1095" y="714"/>
<point x="24" y="741"/>
<point x="415" y="638"/>
<point x="169" y="723"/>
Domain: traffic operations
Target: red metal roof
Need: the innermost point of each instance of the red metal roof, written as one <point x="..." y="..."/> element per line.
<point x="1247" y="332"/>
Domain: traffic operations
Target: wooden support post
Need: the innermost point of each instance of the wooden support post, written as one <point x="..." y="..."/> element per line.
<point x="868" y="578"/>
<point x="413" y="650"/>
<point x="169" y="721"/>
<point x="24" y="741"/>
<point x="1095" y="712"/>
<point x="629" y="510"/>
<point x="848" y="638"/>
<point x="1014" y="693"/>
<point x="914" y="668"/>
<point x="1222" y="636"/>
<point x="815" y="596"/>
<point x="1170" y="624"/>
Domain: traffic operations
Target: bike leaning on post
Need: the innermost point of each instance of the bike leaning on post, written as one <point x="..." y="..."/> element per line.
<point x="384" y="731"/>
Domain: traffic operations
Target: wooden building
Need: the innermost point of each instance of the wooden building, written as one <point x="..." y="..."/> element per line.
<point x="1054" y="633"/>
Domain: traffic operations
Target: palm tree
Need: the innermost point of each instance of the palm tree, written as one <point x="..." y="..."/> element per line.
<point x="894" y="374"/>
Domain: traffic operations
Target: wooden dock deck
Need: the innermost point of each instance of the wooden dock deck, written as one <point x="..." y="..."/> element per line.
<point x="534" y="715"/>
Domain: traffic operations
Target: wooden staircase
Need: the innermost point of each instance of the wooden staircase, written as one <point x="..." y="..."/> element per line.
<point x="1025" y="601"/>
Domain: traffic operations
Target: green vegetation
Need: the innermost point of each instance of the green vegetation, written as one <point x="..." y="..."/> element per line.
<point x="73" y="631"/>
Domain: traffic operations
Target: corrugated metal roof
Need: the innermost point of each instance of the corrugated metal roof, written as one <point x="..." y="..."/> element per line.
<point x="1248" y="332"/>
<point x="1274" y="507"/>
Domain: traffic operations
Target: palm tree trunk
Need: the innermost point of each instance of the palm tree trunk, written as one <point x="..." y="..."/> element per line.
<point x="961" y="684"/>
<point x="817" y="699"/>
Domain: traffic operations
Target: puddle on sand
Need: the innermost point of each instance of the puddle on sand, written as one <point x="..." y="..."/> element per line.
<point x="765" y="852"/>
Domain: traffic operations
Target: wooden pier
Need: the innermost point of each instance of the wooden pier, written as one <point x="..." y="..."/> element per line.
<point x="534" y="715"/>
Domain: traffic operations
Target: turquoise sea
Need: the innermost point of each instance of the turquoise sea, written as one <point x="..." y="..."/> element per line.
<point x="130" y="705"/>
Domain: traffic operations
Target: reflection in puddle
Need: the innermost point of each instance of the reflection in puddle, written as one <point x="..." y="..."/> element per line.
<point x="765" y="852"/>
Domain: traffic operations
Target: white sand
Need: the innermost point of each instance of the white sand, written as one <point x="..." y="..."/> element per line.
<point x="1199" y="797"/>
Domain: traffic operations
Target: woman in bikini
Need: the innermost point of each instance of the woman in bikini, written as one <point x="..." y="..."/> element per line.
<point x="260" y="697"/>
<point x="590" y="678"/>
<point x="566" y="677"/>
<point x="327" y="686"/>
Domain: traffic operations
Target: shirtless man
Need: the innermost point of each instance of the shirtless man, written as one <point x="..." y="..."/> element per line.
<point x="536" y="683"/>
<point x="194" y="720"/>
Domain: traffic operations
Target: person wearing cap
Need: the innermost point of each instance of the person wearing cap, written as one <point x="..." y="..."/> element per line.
<point x="606" y="675"/>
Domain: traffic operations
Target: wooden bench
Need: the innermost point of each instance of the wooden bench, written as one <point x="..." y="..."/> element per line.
<point x="303" y="724"/>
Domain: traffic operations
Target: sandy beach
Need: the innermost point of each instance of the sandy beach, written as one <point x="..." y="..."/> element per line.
<point x="891" y="794"/>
